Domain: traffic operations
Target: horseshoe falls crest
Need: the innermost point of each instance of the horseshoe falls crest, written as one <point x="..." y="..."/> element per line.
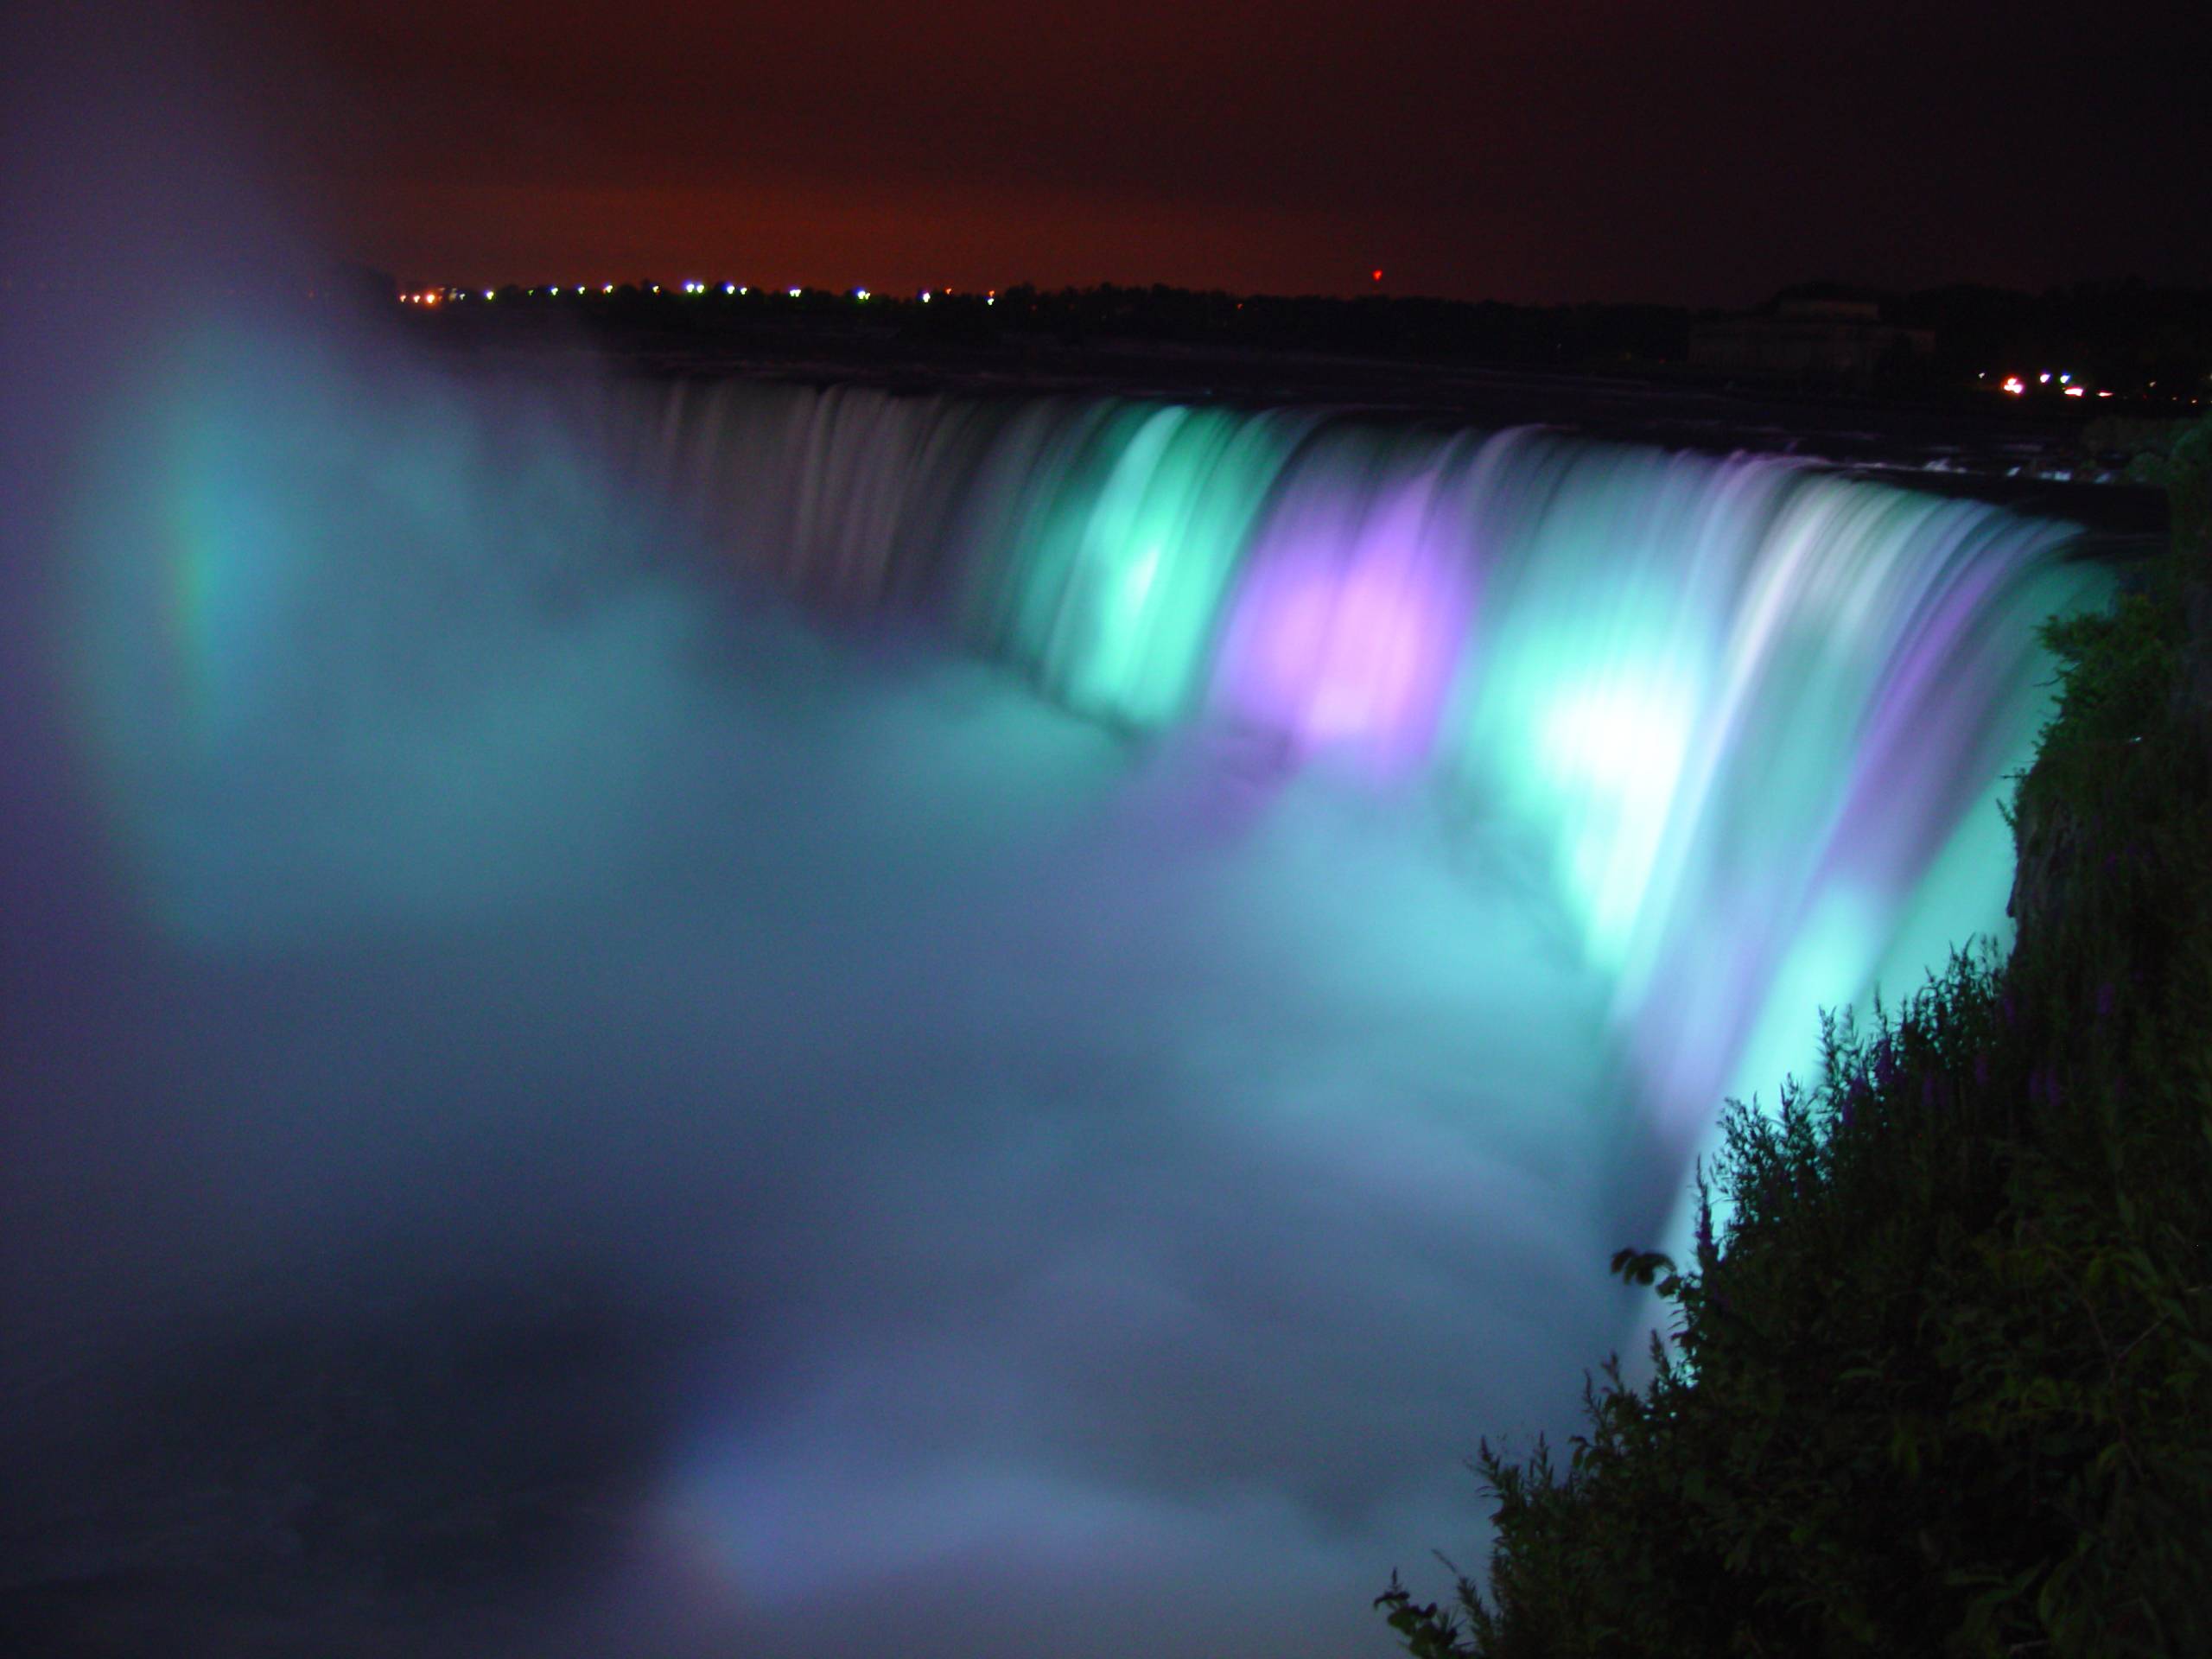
<point x="1093" y="980"/>
<point x="1743" y="720"/>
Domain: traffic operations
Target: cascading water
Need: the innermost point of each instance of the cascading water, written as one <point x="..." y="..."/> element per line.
<point x="1091" y="1055"/>
<point x="1738" y="708"/>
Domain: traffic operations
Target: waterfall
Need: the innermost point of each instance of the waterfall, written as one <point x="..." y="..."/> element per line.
<point x="1089" y="983"/>
<point x="1741" y="706"/>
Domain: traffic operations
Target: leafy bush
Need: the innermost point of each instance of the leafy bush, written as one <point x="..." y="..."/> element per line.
<point x="1943" y="1383"/>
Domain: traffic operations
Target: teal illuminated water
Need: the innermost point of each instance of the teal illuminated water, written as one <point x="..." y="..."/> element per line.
<point x="1750" y="719"/>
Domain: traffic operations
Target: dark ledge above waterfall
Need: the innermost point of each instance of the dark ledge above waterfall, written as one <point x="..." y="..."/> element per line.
<point x="1950" y="446"/>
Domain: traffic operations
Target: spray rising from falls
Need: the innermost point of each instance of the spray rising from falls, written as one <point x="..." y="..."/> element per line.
<point x="1748" y="717"/>
<point x="1090" y="1056"/>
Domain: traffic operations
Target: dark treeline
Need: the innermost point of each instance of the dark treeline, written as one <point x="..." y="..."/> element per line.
<point x="2127" y="335"/>
<point x="2141" y="342"/>
<point x="1489" y="332"/>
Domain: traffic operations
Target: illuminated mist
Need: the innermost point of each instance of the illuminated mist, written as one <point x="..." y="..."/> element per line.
<point x="1078" y="989"/>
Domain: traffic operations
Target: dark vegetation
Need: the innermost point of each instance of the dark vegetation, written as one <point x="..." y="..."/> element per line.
<point x="1941" y="1383"/>
<point x="2149" y="344"/>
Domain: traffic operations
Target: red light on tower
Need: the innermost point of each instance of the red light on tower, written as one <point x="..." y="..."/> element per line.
<point x="1376" y="274"/>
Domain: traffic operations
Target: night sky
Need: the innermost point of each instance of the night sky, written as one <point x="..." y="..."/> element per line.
<point x="1700" y="153"/>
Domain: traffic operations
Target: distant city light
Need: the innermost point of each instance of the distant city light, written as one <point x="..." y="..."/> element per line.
<point x="792" y="292"/>
<point x="487" y="292"/>
<point x="608" y="288"/>
<point x="2044" y="378"/>
<point x="729" y="288"/>
<point x="860" y="293"/>
<point x="926" y="296"/>
<point x="2014" y="385"/>
<point x="2063" y="379"/>
<point x="2076" y="391"/>
<point x="2104" y="394"/>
